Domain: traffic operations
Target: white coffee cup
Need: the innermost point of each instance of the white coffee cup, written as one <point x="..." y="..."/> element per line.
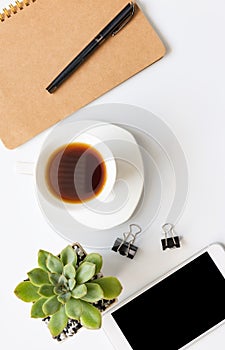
<point x="40" y="170"/>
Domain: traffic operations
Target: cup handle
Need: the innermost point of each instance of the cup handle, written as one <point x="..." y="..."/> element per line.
<point x="26" y="168"/>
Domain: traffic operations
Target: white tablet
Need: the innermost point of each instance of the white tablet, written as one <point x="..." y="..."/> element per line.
<point x="175" y="310"/>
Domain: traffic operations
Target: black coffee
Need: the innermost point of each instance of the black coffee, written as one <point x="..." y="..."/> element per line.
<point x="76" y="173"/>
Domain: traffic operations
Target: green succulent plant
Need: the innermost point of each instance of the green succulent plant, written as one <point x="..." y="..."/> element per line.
<point x="64" y="288"/>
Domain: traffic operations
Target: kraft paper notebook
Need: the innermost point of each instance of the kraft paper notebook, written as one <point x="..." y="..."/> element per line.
<point x="38" y="38"/>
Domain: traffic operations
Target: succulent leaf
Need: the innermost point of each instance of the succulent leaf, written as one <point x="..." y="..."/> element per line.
<point x="58" y="290"/>
<point x="79" y="291"/>
<point x="54" y="278"/>
<point x="68" y="256"/>
<point x="64" y="297"/>
<point x="42" y="258"/>
<point x="51" y="306"/>
<point x="110" y="285"/>
<point x="96" y="259"/>
<point x="85" y="272"/>
<point x="38" y="276"/>
<point x="69" y="271"/>
<point x="91" y="317"/>
<point x="71" y="283"/>
<point x="58" y="322"/>
<point x="62" y="280"/>
<point x="54" y="264"/>
<point x="36" y="309"/>
<point x="94" y="293"/>
<point x="46" y="290"/>
<point x="27" y="292"/>
<point x="73" y="309"/>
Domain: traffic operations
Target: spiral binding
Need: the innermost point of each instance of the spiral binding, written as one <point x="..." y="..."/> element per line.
<point x="13" y="9"/>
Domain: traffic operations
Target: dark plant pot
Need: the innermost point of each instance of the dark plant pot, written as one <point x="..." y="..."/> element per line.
<point x="73" y="325"/>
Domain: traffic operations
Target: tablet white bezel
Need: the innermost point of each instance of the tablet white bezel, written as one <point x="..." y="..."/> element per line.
<point x="112" y="330"/>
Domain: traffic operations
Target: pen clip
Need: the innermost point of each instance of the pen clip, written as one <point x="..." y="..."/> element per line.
<point x="126" y="21"/>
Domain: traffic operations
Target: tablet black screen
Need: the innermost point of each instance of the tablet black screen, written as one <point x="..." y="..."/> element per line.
<point x="176" y="310"/>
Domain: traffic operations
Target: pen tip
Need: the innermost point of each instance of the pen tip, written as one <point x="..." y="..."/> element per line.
<point x="51" y="89"/>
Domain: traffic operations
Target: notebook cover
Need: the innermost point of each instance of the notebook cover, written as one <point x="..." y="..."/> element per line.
<point x="40" y="40"/>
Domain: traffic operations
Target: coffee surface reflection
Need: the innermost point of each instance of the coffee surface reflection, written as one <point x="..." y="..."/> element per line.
<point x="76" y="173"/>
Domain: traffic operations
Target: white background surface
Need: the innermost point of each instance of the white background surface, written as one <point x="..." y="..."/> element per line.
<point x="185" y="89"/>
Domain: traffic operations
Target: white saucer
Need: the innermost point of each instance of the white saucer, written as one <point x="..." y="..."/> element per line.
<point x="129" y="182"/>
<point x="164" y="167"/>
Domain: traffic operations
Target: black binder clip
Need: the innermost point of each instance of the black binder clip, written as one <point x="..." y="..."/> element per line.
<point x="172" y="241"/>
<point x="126" y="245"/>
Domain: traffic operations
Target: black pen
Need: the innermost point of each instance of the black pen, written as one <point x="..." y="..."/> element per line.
<point x="111" y="29"/>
